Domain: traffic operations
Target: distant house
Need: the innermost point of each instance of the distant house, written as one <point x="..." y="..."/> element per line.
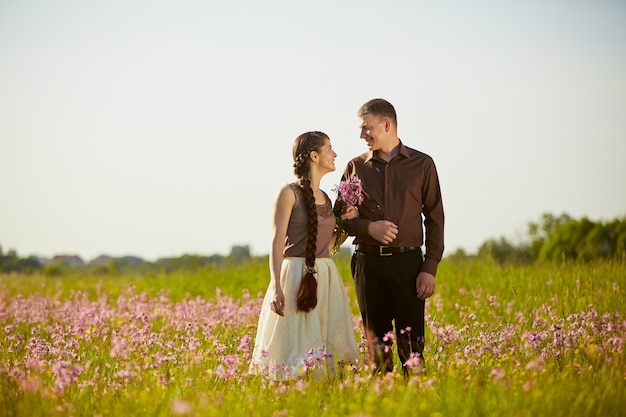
<point x="240" y="254"/>
<point x="43" y="260"/>
<point x="101" y="260"/>
<point x="69" y="260"/>
<point x="131" y="260"/>
<point x="126" y="260"/>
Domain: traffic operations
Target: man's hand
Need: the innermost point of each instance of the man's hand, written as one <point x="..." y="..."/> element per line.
<point x="425" y="285"/>
<point x="350" y="212"/>
<point x="383" y="231"/>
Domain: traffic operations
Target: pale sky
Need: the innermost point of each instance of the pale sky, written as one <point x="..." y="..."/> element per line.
<point x="163" y="128"/>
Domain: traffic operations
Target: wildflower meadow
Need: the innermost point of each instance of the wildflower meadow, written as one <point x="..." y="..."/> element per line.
<point x="534" y="340"/>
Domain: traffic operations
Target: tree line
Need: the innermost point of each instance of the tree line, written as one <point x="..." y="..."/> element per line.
<point x="559" y="237"/>
<point x="62" y="264"/>
<point x="552" y="237"/>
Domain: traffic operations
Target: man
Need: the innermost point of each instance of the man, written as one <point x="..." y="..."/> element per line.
<point x="402" y="198"/>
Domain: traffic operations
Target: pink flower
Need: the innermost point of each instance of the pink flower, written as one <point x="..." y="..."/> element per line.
<point x="414" y="362"/>
<point x="350" y="191"/>
<point x="181" y="407"/>
<point x="498" y="373"/>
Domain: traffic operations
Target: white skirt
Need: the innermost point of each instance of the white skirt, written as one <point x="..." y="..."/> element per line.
<point x="299" y="343"/>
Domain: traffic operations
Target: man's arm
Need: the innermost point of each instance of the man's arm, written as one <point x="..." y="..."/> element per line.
<point x="433" y="220"/>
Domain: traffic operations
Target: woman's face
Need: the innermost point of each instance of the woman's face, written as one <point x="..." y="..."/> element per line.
<point x="325" y="157"/>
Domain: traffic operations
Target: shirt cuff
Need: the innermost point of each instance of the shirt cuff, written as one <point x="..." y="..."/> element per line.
<point x="430" y="266"/>
<point x="361" y="226"/>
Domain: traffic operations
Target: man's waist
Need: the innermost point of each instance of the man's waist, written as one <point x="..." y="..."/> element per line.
<point x="382" y="250"/>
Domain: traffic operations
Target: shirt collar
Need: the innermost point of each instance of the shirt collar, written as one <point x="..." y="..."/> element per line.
<point x="403" y="151"/>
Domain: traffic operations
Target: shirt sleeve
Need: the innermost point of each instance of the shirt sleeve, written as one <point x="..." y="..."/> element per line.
<point x="433" y="220"/>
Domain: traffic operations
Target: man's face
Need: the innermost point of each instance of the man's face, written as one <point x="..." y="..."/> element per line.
<point x="372" y="130"/>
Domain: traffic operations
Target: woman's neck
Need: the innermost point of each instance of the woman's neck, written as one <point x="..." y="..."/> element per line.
<point x="315" y="179"/>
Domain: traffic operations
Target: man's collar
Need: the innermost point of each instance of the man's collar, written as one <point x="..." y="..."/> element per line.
<point x="402" y="151"/>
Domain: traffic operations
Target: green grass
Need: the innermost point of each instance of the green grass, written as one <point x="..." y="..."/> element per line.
<point x="230" y="280"/>
<point x="544" y="339"/>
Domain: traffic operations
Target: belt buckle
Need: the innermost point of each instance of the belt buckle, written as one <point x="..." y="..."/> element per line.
<point x="381" y="253"/>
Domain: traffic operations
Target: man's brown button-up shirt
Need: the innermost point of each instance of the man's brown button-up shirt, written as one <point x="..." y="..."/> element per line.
<point x="404" y="191"/>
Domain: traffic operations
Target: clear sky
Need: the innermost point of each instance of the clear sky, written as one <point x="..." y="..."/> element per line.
<point x="162" y="128"/>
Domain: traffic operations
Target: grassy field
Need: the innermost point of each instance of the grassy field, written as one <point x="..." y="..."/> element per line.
<point x="501" y="341"/>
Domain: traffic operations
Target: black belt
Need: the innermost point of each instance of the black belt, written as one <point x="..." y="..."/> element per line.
<point x="385" y="250"/>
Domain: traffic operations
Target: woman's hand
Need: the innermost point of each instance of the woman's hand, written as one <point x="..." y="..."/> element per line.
<point x="349" y="213"/>
<point x="278" y="303"/>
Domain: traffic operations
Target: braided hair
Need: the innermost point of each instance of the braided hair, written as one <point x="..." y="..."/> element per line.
<point x="304" y="144"/>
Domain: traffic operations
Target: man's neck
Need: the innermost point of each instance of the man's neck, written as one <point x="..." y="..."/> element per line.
<point x="387" y="153"/>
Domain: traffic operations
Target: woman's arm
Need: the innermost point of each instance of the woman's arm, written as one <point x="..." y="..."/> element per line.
<point x="349" y="212"/>
<point x="283" y="205"/>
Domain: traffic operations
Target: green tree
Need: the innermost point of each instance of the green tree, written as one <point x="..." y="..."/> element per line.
<point x="503" y="251"/>
<point x="567" y="240"/>
<point x="617" y="235"/>
<point x="585" y="240"/>
<point x="597" y="244"/>
<point x="539" y="232"/>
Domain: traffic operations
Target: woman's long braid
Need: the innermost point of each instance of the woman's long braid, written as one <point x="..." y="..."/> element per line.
<point x="306" y="299"/>
<point x="307" y="293"/>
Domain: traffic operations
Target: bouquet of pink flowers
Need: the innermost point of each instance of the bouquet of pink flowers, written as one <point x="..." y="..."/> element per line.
<point x="350" y="192"/>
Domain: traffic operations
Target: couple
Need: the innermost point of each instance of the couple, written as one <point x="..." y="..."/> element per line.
<point x="305" y="322"/>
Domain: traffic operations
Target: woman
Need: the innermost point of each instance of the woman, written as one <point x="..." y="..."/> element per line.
<point x="305" y="322"/>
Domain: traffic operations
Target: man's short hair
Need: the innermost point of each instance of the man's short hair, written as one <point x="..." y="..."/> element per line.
<point x="379" y="107"/>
